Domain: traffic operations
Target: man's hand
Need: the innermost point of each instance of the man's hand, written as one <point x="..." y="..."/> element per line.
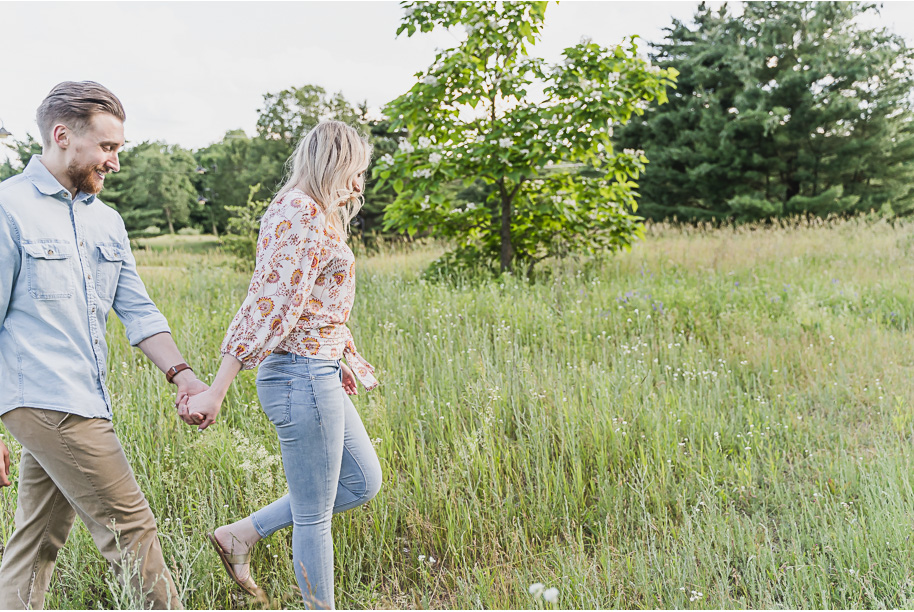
<point x="203" y="408"/>
<point x="4" y="465"/>
<point x="188" y="385"/>
<point x="349" y="383"/>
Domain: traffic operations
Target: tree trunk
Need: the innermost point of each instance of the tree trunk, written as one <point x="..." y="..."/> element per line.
<point x="171" y="226"/>
<point x="507" y="249"/>
<point x="215" y="231"/>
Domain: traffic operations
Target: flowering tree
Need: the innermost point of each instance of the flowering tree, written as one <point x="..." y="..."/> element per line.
<point x="536" y="138"/>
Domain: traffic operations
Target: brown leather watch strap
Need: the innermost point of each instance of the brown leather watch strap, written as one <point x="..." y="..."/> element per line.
<point x="175" y="370"/>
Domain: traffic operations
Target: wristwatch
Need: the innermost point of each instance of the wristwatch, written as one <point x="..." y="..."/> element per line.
<point x="175" y="370"/>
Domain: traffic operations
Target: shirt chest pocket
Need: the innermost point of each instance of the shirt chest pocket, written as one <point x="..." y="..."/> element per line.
<point x="110" y="260"/>
<point x="49" y="268"/>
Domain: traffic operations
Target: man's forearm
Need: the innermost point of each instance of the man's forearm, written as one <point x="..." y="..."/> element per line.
<point x="162" y="351"/>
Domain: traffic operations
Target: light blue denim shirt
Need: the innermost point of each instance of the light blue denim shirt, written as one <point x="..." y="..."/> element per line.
<point x="63" y="264"/>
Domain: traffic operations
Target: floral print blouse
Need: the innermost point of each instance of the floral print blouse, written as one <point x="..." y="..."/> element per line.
<point x="301" y="293"/>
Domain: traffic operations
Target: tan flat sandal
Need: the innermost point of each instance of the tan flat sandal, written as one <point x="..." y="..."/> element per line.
<point x="228" y="560"/>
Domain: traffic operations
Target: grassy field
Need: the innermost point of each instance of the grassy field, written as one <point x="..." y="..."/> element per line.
<point x="716" y="419"/>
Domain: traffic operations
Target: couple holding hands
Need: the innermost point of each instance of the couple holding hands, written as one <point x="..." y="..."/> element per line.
<point x="66" y="262"/>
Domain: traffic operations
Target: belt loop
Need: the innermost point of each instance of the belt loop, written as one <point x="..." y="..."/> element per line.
<point x="294" y="357"/>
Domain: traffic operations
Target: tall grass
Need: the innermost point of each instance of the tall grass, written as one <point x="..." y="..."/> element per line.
<point x="720" y="418"/>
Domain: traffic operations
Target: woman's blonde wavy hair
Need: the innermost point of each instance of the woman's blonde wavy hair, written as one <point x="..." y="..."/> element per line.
<point x="325" y="164"/>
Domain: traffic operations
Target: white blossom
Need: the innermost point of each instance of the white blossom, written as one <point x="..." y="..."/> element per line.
<point x="425" y="142"/>
<point x="423" y="173"/>
<point x="430" y="79"/>
<point x="386" y="159"/>
<point x="551" y="595"/>
<point x="772" y="61"/>
<point x="406" y="146"/>
<point x="586" y="40"/>
<point x="434" y="158"/>
<point x="505" y="142"/>
<point x="471" y="206"/>
<point x="537" y="588"/>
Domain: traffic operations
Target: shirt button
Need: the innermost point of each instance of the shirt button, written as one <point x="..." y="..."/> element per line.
<point x="96" y="341"/>
<point x="93" y="309"/>
<point x="89" y="276"/>
<point x="82" y="243"/>
<point x="50" y="252"/>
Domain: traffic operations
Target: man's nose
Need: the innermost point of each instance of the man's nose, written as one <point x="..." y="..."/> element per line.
<point x="114" y="163"/>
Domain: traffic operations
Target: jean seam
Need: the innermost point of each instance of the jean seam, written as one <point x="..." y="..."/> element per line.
<point x="257" y="526"/>
<point x="361" y="472"/>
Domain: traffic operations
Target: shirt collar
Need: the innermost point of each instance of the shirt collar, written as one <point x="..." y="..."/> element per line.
<point x="45" y="182"/>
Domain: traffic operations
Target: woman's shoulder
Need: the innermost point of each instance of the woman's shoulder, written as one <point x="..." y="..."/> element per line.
<point x="295" y="203"/>
<point x="299" y="200"/>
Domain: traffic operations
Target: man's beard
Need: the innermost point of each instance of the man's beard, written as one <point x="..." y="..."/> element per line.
<point x="85" y="179"/>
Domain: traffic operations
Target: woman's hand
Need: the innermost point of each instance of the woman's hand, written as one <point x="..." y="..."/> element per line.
<point x="349" y="383"/>
<point x="203" y="408"/>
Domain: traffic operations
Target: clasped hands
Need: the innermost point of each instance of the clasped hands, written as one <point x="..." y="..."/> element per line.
<point x="199" y="405"/>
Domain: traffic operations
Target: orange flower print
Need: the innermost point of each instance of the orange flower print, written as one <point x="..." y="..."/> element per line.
<point x="339" y="277"/>
<point x="314" y="261"/>
<point x="320" y="280"/>
<point x="326" y="331"/>
<point x="323" y="253"/>
<point x="345" y="314"/>
<point x="334" y="353"/>
<point x="282" y="228"/>
<point x="296" y="301"/>
<point x="350" y="347"/>
<point x="312" y="209"/>
<point x="312" y="345"/>
<point x="315" y="304"/>
<point x="273" y="277"/>
<point x="297" y="276"/>
<point x="276" y="325"/>
<point x="352" y="269"/>
<point x="241" y="349"/>
<point x="265" y="242"/>
<point x="265" y="305"/>
<point x="296" y="203"/>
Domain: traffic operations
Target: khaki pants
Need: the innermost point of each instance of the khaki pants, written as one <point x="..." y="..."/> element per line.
<point x="72" y="465"/>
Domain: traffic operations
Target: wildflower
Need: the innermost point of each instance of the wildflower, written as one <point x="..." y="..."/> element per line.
<point x="386" y="159"/>
<point x="430" y="79"/>
<point x="505" y="142"/>
<point x="425" y="142"/>
<point x="434" y="158"/>
<point x="406" y="146"/>
<point x="551" y="595"/>
<point x="536" y="589"/>
<point x="423" y="173"/>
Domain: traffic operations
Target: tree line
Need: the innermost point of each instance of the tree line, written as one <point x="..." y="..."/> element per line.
<point x="787" y="108"/>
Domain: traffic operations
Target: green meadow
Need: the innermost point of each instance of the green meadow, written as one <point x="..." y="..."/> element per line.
<point x="721" y="418"/>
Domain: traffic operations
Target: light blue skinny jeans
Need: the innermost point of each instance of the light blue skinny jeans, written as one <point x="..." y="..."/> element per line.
<point x="328" y="458"/>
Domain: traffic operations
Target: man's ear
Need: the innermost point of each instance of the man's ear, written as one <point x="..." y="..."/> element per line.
<point x="60" y="136"/>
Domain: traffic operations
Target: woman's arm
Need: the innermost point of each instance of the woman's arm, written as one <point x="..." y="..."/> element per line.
<point x="203" y="408"/>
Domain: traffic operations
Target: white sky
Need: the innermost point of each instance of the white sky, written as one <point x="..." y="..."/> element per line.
<point x="188" y="71"/>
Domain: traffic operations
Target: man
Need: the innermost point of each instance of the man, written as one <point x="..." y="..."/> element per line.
<point x="66" y="262"/>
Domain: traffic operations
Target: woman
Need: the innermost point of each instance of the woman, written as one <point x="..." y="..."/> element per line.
<point x="293" y="324"/>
